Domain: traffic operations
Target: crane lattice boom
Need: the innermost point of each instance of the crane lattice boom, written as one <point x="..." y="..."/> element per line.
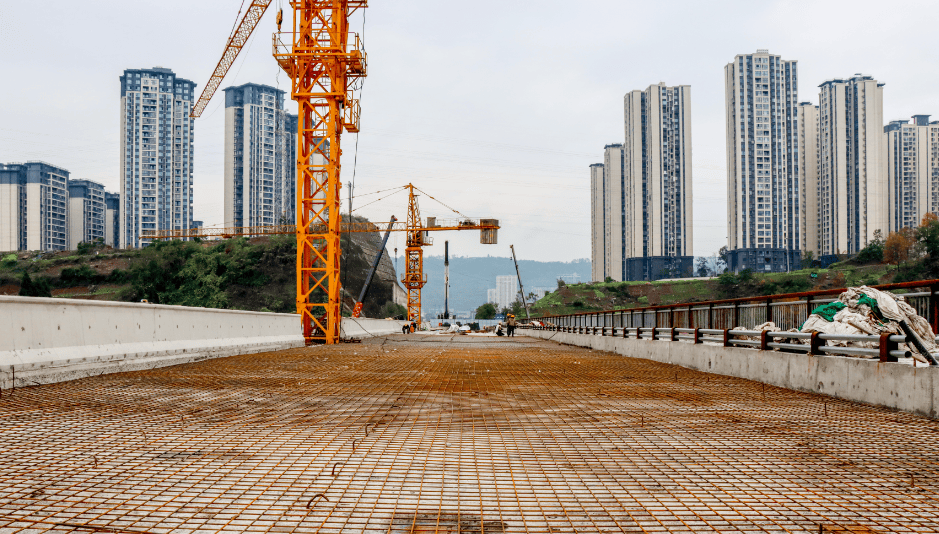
<point x="236" y="42"/>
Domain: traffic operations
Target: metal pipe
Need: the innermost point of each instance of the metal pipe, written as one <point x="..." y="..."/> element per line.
<point x="911" y="335"/>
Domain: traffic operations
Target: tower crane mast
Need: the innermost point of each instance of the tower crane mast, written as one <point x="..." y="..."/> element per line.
<point x="416" y="232"/>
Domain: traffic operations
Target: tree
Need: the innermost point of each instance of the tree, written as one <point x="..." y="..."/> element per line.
<point x="874" y="251"/>
<point x="561" y="283"/>
<point x="807" y="258"/>
<point x="898" y="247"/>
<point x="724" y="255"/>
<point x="701" y="267"/>
<point x="39" y="288"/>
<point x="486" y="311"/>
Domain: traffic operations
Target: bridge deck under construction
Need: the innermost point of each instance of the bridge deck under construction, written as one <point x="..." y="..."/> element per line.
<point x="457" y="435"/>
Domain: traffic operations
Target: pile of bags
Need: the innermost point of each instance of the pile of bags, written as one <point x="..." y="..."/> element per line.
<point x="868" y="311"/>
<point x="871" y="312"/>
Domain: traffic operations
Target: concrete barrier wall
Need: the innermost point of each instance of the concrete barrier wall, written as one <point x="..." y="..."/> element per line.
<point x="893" y="385"/>
<point x="45" y="340"/>
<point x="362" y="328"/>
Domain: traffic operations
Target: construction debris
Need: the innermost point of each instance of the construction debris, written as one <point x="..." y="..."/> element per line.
<point x="868" y="311"/>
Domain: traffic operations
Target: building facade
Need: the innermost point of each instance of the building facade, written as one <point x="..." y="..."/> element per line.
<point x="260" y="157"/>
<point x="656" y="196"/>
<point x="764" y="180"/>
<point x="156" y="153"/>
<point x="597" y="224"/>
<point x="852" y="194"/>
<point x="506" y="291"/>
<point x="614" y="218"/>
<point x="112" y="219"/>
<point x="86" y="212"/>
<point x="33" y="207"/>
<point x="912" y="161"/>
<point x="808" y="165"/>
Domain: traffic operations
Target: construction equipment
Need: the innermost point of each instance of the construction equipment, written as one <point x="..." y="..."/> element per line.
<point x="417" y="238"/>
<point x="357" y="310"/>
<point x="236" y="42"/>
<point x="323" y="60"/>
<point x="446" y="279"/>
<point x="521" y="289"/>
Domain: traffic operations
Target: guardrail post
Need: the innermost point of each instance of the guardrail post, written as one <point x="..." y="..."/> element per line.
<point x="638" y="332"/>
<point x="625" y="331"/>
<point x="674" y="334"/>
<point x="934" y="309"/>
<point x="654" y="336"/>
<point x="886" y="346"/>
<point x="764" y="340"/>
<point x="697" y="336"/>
<point x="726" y="337"/>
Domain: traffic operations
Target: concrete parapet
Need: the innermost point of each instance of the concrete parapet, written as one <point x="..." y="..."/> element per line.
<point x="45" y="340"/>
<point x="892" y="385"/>
<point x="362" y="328"/>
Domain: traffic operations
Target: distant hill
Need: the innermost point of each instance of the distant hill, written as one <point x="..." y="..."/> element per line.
<point x="470" y="277"/>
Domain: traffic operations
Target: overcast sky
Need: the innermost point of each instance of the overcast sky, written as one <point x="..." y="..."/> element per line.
<point x="496" y="108"/>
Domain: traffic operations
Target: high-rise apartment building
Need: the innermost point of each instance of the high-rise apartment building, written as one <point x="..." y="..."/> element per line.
<point x="597" y="224"/>
<point x="33" y="207"/>
<point x="260" y="157"/>
<point x="86" y="212"/>
<point x="912" y="171"/>
<point x="852" y="194"/>
<point x="764" y="180"/>
<point x="808" y="165"/>
<point x="506" y="290"/>
<point x="613" y="216"/>
<point x="492" y="295"/>
<point x="156" y="153"/>
<point x="656" y="192"/>
<point x="112" y="219"/>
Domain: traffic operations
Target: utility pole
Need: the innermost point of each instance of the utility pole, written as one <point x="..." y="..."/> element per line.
<point x="520" y="288"/>
<point x="446" y="279"/>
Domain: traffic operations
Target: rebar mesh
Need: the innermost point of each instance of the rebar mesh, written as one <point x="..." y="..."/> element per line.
<point x="455" y="434"/>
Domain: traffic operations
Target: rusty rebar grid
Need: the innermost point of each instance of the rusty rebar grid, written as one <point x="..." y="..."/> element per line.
<point x="455" y="434"/>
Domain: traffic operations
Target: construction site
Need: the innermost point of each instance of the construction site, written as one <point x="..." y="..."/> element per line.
<point x="811" y="412"/>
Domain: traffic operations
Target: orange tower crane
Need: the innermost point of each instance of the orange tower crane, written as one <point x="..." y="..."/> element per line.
<point x="323" y="60"/>
<point x="417" y="238"/>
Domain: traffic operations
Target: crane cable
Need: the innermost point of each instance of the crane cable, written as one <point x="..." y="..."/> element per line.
<point x="441" y="203"/>
<point x="380" y="199"/>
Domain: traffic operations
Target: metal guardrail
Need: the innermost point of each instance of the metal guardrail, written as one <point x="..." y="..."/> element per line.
<point x="714" y="321"/>
<point x="787" y="310"/>
<point x="886" y="347"/>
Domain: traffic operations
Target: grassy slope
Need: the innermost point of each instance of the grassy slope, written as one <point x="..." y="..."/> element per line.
<point x="608" y="295"/>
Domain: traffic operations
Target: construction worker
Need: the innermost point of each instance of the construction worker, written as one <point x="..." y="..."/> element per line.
<point x="510" y="325"/>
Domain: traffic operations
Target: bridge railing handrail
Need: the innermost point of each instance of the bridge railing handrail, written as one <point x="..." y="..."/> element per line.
<point x="788" y="311"/>
<point x="885" y="347"/>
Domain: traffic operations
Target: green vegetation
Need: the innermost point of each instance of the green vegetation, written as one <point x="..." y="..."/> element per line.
<point x="393" y="310"/>
<point x="256" y="274"/>
<point x="38" y="288"/>
<point x="486" y="311"/>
